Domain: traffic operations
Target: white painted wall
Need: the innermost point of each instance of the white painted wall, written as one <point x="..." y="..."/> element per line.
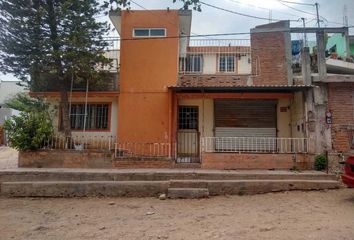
<point x="210" y="64"/>
<point x="206" y="114"/>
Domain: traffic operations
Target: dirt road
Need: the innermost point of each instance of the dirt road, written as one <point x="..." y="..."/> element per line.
<point x="290" y="215"/>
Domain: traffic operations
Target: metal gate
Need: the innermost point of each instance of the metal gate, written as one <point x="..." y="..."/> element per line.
<point x="188" y="146"/>
<point x="188" y="135"/>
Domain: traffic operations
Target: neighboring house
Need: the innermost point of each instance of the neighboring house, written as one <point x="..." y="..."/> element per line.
<point x="338" y="43"/>
<point x="211" y="103"/>
<point x="8" y="89"/>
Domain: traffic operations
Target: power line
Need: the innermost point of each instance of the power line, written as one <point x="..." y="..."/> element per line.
<point x="178" y="37"/>
<point x="296" y="9"/>
<point x="141" y="6"/>
<point x="297" y="3"/>
<point x="239" y="13"/>
<point x="262" y="8"/>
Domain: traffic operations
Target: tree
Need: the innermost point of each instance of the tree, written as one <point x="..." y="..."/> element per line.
<point x="52" y="37"/>
<point x="33" y="128"/>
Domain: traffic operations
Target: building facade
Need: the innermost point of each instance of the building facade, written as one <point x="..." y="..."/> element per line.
<point x="210" y="103"/>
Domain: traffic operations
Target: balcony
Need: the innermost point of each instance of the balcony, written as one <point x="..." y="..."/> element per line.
<point x="109" y="76"/>
<point x="206" y="62"/>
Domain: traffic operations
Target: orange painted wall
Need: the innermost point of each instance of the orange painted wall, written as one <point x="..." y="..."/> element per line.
<point x="147" y="68"/>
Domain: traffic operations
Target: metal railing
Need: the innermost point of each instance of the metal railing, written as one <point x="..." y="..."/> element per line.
<point x="254" y="145"/>
<point x="80" y="142"/>
<point x="143" y="150"/>
<point x="211" y="56"/>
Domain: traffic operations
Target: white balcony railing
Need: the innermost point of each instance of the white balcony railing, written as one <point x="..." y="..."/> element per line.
<point x="254" y="145"/>
<point x="212" y="56"/>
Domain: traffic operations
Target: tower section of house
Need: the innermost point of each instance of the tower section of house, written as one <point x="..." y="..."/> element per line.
<point x="148" y="65"/>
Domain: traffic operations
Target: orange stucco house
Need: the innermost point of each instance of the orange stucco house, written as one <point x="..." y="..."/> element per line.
<point x="177" y="100"/>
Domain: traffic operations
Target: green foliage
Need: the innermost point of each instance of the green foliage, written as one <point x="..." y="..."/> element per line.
<point x="32" y="127"/>
<point x="320" y="162"/>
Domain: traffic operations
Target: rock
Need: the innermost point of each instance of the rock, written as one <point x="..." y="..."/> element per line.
<point x="163" y="196"/>
<point x="39" y="228"/>
<point x="102" y="228"/>
<point x="111" y="203"/>
<point x="150" y="213"/>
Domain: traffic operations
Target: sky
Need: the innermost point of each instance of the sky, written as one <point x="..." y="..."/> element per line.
<point x="211" y="20"/>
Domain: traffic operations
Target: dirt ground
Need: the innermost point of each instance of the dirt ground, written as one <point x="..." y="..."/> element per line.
<point x="324" y="215"/>
<point x="290" y="215"/>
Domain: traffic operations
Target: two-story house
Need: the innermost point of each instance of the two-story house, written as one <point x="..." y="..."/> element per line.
<point x="220" y="103"/>
<point x="179" y="100"/>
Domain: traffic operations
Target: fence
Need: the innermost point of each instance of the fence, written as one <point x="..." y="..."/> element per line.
<point x="80" y="142"/>
<point x="143" y="150"/>
<point x="254" y="144"/>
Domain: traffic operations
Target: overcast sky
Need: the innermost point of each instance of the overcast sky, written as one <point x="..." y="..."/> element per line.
<point x="212" y="20"/>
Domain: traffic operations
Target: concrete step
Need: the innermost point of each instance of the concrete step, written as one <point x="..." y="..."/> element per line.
<point x="84" y="189"/>
<point x="240" y="187"/>
<point x="152" y="175"/>
<point x="187" y="193"/>
<point x="196" y="183"/>
<point x="154" y="188"/>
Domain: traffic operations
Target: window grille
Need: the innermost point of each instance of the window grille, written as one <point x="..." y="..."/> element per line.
<point x="226" y="63"/>
<point x="96" y="118"/>
<point x="188" y="117"/>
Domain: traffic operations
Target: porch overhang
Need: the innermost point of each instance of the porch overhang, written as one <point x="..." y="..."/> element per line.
<point x="242" y="89"/>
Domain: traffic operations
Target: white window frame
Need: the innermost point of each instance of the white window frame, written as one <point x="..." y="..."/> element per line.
<point x="226" y="63"/>
<point x="149" y="29"/>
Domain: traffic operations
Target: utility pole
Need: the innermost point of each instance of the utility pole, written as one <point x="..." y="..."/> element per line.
<point x="270" y="15"/>
<point x="345" y="16"/>
<point x="318" y="16"/>
<point x="305" y="35"/>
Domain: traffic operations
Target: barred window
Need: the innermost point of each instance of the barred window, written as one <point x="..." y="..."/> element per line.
<point x="97" y="117"/>
<point x="187" y="117"/>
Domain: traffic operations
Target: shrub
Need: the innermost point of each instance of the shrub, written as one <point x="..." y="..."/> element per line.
<point x="320" y="162"/>
<point x="32" y="127"/>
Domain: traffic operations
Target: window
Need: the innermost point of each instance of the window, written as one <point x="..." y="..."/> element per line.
<point x="226" y="63"/>
<point x="149" y="32"/>
<point x="187" y="117"/>
<point x="97" y="117"/>
<point x="191" y="63"/>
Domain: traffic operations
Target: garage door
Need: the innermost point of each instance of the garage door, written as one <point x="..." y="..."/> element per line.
<point x="245" y="119"/>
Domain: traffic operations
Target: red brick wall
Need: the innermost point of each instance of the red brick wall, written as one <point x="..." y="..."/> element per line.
<point x="64" y="159"/>
<point x="129" y="163"/>
<point x="340" y="104"/>
<point x="1" y="136"/>
<point x="229" y="161"/>
<point x="268" y="49"/>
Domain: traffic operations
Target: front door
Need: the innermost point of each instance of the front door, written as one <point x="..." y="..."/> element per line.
<point x="188" y="134"/>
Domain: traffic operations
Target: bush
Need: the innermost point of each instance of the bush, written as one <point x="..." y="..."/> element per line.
<point x="320" y="162"/>
<point x="32" y="128"/>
